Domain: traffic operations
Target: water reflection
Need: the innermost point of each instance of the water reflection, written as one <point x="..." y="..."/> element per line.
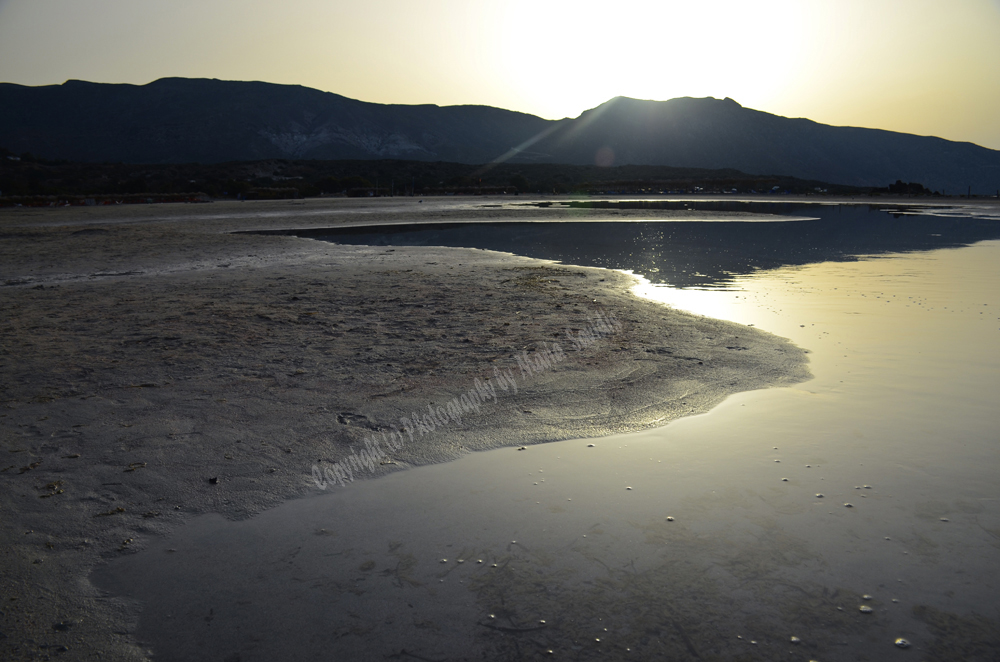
<point x="697" y="253"/>
<point x="905" y="400"/>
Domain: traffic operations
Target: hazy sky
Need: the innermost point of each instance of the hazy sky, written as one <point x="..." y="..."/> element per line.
<point x="921" y="66"/>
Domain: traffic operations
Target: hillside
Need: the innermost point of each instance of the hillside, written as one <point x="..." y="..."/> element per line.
<point x="712" y="133"/>
<point x="177" y="120"/>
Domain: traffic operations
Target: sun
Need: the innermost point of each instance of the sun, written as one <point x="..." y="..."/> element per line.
<point x="567" y="57"/>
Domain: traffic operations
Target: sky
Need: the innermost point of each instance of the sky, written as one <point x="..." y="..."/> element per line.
<point x="928" y="67"/>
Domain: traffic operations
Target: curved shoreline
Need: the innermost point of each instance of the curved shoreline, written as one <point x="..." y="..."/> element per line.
<point x="175" y="353"/>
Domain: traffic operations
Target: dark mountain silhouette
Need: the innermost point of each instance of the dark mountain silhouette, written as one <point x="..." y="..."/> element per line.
<point x="177" y="120"/>
<point x="709" y="133"/>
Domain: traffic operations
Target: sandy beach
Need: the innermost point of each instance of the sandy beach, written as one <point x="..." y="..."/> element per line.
<point x="163" y="361"/>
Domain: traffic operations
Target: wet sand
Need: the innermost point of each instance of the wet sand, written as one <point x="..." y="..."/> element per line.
<point x="156" y="366"/>
<point x="719" y="536"/>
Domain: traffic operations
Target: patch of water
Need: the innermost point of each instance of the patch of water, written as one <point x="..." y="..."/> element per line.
<point x="705" y="539"/>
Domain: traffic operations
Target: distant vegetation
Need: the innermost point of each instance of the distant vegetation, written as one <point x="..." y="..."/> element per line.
<point x="905" y="188"/>
<point x="27" y="180"/>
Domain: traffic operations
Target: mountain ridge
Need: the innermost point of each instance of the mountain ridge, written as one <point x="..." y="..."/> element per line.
<point x="178" y="120"/>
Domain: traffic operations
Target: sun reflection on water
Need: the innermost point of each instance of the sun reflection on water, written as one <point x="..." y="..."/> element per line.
<point x="726" y="302"/>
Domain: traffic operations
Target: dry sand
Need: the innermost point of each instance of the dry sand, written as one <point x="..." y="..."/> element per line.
<point x="156" y="366"/>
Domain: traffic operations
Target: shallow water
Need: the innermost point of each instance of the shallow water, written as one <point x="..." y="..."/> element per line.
<point x="901" y="421"/>
<point x="708" y="248"/>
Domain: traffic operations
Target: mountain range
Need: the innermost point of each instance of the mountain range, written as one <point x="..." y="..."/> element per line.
<point x="179" y="120"/>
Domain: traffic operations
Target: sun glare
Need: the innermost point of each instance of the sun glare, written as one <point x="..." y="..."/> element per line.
<point x="572" y="56"/>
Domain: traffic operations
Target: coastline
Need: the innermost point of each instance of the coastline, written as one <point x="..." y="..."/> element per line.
<point x="147" y="352"/>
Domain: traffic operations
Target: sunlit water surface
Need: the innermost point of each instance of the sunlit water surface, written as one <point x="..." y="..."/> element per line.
<point x="569" y="547"/>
